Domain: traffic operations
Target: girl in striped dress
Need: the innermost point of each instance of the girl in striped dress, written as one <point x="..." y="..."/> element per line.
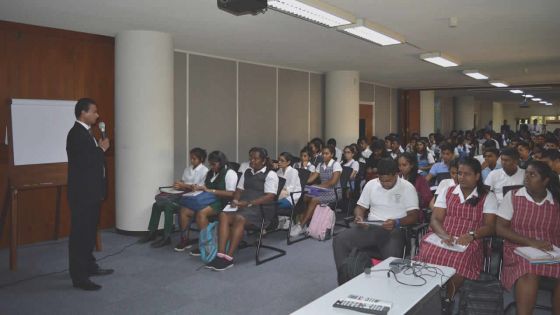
<point x="530" y="216"/>
<point x="463" y="214"/>
<point x="329" y="172"/>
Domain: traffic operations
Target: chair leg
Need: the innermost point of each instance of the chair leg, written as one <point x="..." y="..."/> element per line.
<point x="289" y="240"/>
<point x="280" y="252"/>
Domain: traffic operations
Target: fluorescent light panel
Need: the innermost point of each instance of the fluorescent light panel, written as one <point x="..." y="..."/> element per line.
<point x="536" y="99"/>
<point x="475" y="74"/>
<point x="543" y="102"/>
<point x="498" y="83"/>
<point x="308" y="12"/>
<point x="516" y="91"/>
<point x="527" y="95"/>
<point x="439" y="59"/>
<point x="371" y="32"/>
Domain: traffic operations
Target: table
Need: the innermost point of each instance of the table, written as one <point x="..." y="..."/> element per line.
<point x="377" y="285"/>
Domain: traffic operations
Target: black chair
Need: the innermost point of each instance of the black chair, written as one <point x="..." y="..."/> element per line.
<point x="233" y="165"/>
<point x="273" y="206"/>
<point x="506" y="189"/>
<point x="347" y="189"/>
<point x="296" y="208"/>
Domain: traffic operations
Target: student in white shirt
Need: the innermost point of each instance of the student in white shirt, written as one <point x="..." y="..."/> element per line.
<point x="292" y="185"/>
<point x="509" y="175"/>
<point x="338" y="153"/>
<point x="365" y="151"/>
<point x="220" y="181"/>
<point x="392" y="202"/>
<point x="329" y="172"/>
<point x="257" y="186"/>
<point x="304" y="160"/>
<point x="192" y="176"/>
<point x="348" y="161"/>
<point x="449" y="182"/>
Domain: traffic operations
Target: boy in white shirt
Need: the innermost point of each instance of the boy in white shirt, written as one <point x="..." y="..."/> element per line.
<point x="509" y="175"/>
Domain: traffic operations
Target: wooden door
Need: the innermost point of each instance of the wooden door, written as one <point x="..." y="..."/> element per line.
<point x="366" y="121"/>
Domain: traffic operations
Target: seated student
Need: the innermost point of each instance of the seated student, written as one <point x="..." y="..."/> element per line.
<point x="411" y="146"/>
<point x="447" y="155"/>
<point x="462" y="149"/>
<point x="329" y="172"/>
<point x="552" y="158"/>
<point x="408" y="167"/>
<point x="551" y="142"/>
<point x="304" y="161"/>
<point x="463" y="215"/>
<point x="316" y="148"/>
<point x="442" y="186"/>
<point x="378" y="152"/>
<point x="524" y="150"/>
<point x="509" y="175"/>
<point x="364" y="150"/>
<point x="192" y="175"/>
<point x="292" y="185"/>
<point x="390" y="200"/>
<point x="530" y="216"/>
<point x="220" y="181"/>
<point x="485" y="146"/>
<point x="425" y="157"/>
<point x="258" y="185"/>
<point x="536" y="153"/>
<point x="396" y="149"/>
<point x="338" y="155"/>
<point x="491" y="156"/>
<point x="348" y="161"/>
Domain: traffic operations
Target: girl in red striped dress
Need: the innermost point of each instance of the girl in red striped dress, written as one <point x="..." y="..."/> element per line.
<point x="463" y="214"/>
<point x="530" y="216"/>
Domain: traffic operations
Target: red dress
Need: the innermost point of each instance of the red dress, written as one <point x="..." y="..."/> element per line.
<point x="459" y="220"/>
<point x="534" y="221"/>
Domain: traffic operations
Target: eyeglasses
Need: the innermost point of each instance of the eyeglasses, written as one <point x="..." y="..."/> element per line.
<point x="347" y="151"/>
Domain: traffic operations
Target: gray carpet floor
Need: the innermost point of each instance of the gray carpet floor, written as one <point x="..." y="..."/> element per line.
<point x="161" y="281"/>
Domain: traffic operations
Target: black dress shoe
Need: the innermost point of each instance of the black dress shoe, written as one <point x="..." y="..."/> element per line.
<point x="150" y="236"/>
<point x="162" y="242"/>
<point x="87" y="285"/>
<point x="101" y="272"/>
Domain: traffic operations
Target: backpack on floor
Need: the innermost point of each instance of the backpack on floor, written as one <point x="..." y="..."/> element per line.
<point x="353" y="265"/>
<point x="208" y="242"/>
<point x="481" y="297"/>
<point x="322" y="223"/>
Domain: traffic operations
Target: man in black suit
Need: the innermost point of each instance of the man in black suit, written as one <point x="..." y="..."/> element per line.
<point x="86" y="191"/>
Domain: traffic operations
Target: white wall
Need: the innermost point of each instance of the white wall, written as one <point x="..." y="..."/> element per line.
<point x="464" y="107"/>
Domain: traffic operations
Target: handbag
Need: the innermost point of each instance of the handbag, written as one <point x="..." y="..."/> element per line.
<point x="198" y="201"/>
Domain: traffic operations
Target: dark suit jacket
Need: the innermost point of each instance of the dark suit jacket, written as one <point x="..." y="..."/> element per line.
<point x="86" y="162"/>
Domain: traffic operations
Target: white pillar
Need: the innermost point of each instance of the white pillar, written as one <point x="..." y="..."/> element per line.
<point x="463" y="113"/>
<point x="143" y="123"/>
<point x="497" y="116"/>
<point x="342" y="106"/>
<point x="427" y="112"/>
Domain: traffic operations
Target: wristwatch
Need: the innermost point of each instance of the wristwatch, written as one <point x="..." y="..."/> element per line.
<point x="472" y="233"/>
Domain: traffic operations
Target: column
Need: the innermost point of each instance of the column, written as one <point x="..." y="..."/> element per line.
<point x="144" y="123"/>
<point x="342" y="106"/>
<point x="427" y="112"/>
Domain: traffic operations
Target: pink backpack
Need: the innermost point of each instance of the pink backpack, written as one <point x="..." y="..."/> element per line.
<point x="322" y="223"/>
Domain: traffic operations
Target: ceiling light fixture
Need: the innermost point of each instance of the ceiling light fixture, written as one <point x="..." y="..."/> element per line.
<point x="516" y="91"/>
<point x="439" y="59"/>
<point x="498" y="83"/>
<point x="527" y="95"/>
<point x="543" y="102"/>
<point x="372" y="33"/>
<point x="475" y="74"/>
<point x="314" y="11"/>
<point x="536" y="99"/>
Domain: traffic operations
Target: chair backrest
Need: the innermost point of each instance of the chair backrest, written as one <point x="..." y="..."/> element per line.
<point x="345" y="176"/>
<point x="303" y="175"/>
<point x="233" y="165"/>
<point x="281" y="183"/>
<point x="505" y="189"/>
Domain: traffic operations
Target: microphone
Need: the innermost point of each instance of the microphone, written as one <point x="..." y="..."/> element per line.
<point x="102" y="128"/>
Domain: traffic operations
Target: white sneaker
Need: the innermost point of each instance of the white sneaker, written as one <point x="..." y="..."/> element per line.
<point x="296" y="230"/>
<point x="281" y="222"/>
<point x="286" y="224"/>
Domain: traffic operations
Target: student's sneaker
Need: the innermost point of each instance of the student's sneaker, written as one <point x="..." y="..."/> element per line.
<point x="220" y="263"/>
<point x="195" y="252"/>
<point x="286" y="225"/>
<point x="183" y="244"/>
<point x="296" y="230"/>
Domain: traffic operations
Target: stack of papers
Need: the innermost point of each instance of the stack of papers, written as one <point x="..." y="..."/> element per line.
<point x="434" y="239"/>
<point x="193" y="193"/>
<point x="537" y="256"/>
<point x="170" y="190"/>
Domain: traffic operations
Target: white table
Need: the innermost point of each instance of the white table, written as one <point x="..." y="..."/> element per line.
<point x="377" y="285"/>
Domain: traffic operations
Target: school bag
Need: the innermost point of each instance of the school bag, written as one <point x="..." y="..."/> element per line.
<point x="482" y="297"/>
<point x="353" y="265"/>
<point x="322" y="223"/>
<point x="208" y="242"/>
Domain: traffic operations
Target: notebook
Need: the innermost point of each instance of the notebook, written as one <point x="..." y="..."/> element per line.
<point x="537" y="256"/>
<point x="434" y="239"/>
<point x="170" y="190"/>
<point x="364" y="305"/>
<point x="193" y="193"/>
